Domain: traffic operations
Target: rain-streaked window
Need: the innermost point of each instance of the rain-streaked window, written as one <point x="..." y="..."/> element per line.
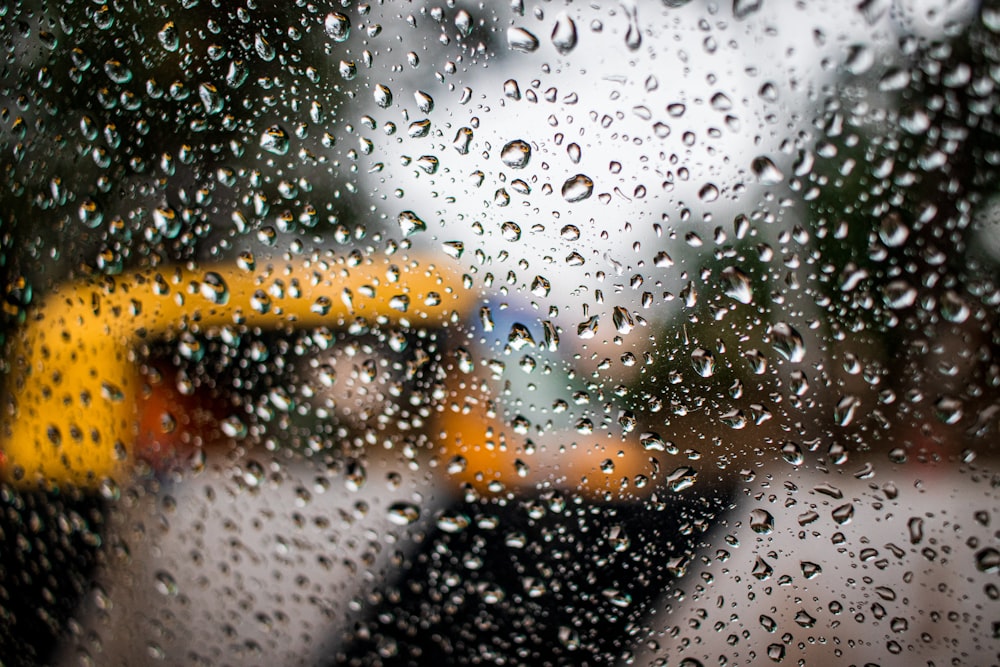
<point x="515" y="333"/>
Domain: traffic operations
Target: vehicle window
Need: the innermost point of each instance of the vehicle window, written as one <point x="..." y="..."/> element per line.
<point x="405" y="333"/>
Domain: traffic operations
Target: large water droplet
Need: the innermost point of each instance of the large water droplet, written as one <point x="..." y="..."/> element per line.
<point x="564" y="33"/>
<point x="737" y="285"/>
<point x="424" y="101"/>
<point x="761" y="521"/>
<point x="403" y="514"/>
<point x="410" y="223"/>
<point x="516" y="154"/>
<point x="214" y="288"/>
<point x="703" y="362"/>
<point x="337" y="26"/>
<point x="577" y="188"/>
<point x="275" y="140"/>
<point x="168" y="36"/>
<point x="788" y="342"/>
<point x="382" y="96"/>
<point x="521" y="40"/>
<point x="766" y="171"/>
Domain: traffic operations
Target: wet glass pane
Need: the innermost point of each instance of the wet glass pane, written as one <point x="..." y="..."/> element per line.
<point x="404" y="333"/>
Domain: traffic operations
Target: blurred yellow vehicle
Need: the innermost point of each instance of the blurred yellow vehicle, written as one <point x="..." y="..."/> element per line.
<point x="78" y="408"/>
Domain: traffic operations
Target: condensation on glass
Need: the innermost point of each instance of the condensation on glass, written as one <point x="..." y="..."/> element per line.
<point x="404" y="333"/>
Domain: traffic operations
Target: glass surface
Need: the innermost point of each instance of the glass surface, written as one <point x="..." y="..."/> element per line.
<point x="605" y="333"/>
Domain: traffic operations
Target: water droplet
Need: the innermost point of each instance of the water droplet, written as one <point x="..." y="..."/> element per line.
<point x="682" y="478"/>
<point x="511" y="89"/>
<point x="410" y="223"/>
<point x="464" y="22"/>
<point x="792" y="453"/>
<point x="166" y="584"/>
<point x="788" y="342"/>
<point x="762" y="571"/>
<point x="708" y="193"/>
<point x="403" y="514"/>
<point x="117" y="71"/>
<point x="168" y="36"/>
<point x="761" y="521"/>
<point x="737" y="285"/>
<point x="337" y="26"/>
<point x="860" y="59"/>
<point x="382" y="96"/>
<point x="355" y="475"/>
<point x="214" y="289"/>
<point x="988" y="560"/>
<point x="843" y="514"/>
<point x="519" y="337"/>
<point x="424" y="101"/>
<point x="237" y="73"/>
<point x="577" y="188"/>
<point x="744" y="8"/>
<point x="564" y="33"/>
<point x="275" y="140"/>
<point x="463" y="138"/>
<point x="90" y="214"/>
<point x="843" y="412"/>
<point x="540" y="286"/>
<point x="622" y="320"/>
<point x="588" y="328"/>
<point x="893" y="232"/>
<point x="899" y="294"/>
<point x="210" y="98"/>
<point x="633" y="35"/>
<point x="516" y="154"/>
<point x="521" y="40"/>
<point x="766" y="171"/>
<point x="953" y="307"/>
<point x="703" y="362"/>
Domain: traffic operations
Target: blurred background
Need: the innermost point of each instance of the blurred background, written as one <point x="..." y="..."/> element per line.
<point x="725" y="322"/>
